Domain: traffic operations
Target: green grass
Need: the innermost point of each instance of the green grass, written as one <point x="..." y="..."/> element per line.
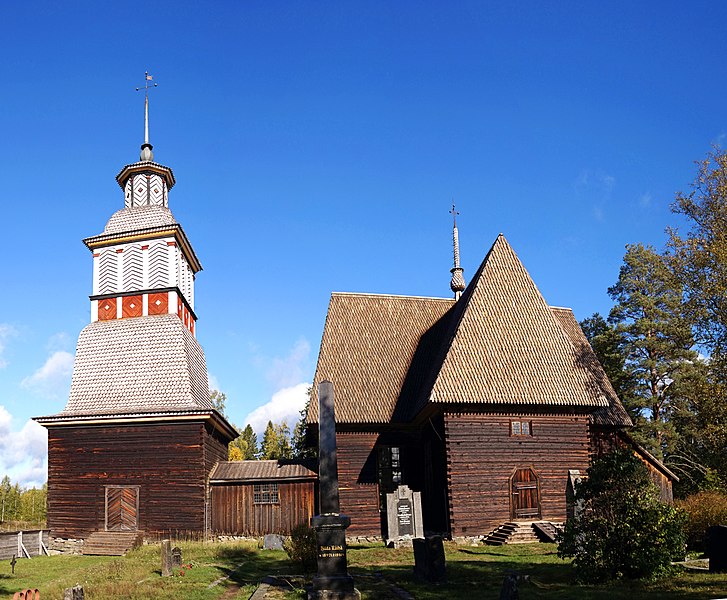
<point x="473" y="572"/>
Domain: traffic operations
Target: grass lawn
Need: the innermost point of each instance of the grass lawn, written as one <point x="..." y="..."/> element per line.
<point x="473" y="573"/>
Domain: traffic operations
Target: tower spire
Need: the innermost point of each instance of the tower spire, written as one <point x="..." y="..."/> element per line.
<point x="457" y="284"/>
<point x="146" y="147"/>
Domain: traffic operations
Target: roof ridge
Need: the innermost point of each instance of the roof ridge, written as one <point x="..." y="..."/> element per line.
<point x="375" y="295"/>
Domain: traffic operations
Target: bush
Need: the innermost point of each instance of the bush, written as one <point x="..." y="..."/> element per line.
<point x="301" y="547"/>
<point x="621" y="528"/>
<point x="703" y="510"/>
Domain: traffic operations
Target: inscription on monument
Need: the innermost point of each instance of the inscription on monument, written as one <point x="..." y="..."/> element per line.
<point x="403" y="514"/>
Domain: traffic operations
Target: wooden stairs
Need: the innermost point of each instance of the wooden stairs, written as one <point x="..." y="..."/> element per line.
<point x="522" y="532"/>
<point x="112" y="543"/>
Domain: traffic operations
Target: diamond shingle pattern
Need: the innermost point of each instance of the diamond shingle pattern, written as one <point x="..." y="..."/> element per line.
<point x="138" y="217"/>
<point x="367" y="348"/>
<point x="501" y="344"/>
<point x="507" y="347"/>
<point x="263" y="469"/>
<point x="140" y="365"/>
<point x="614" y="413"/>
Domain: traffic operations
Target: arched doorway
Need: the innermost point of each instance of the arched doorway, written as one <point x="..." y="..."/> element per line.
<point x="524" y="495"/>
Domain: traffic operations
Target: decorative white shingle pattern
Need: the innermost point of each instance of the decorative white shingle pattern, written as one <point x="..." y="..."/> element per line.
<point x="158" y="264"/>
<point x="138" y="217"/>
<point x="140" y="365"/>
<point x="247" y="470"/>
<point x="108" y="272"/>
<point x="366" y="351"/>
<point x="133" y="278"/>
<point x="506" y="346"/>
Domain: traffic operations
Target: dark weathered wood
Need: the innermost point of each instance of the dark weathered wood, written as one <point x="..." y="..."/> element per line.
<point x="169" y="463"/>
<point x="483" y="456"/>
<point x="234" y="511"/>
<point x="357" y="482"/>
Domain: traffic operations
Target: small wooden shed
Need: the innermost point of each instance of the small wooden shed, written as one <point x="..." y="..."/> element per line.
<point x="256" y="497"/>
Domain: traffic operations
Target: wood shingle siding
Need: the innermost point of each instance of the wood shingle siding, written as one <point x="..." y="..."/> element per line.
<point x="166" y="462"/>
<point x="482" y="456"/>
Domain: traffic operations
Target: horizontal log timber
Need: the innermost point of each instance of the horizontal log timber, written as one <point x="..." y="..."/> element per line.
<point x="483" y="455"/>
<point x="169" y="462"/>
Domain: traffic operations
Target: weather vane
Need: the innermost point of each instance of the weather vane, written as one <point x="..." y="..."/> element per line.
<point x="146" y="153"/>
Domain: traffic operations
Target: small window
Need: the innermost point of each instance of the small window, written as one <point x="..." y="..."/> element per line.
<point x="521" y="428"/>
<point x="265" y="493"/>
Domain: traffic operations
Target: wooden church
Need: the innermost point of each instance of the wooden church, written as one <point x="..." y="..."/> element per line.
<point x="489" y="404"/>
<point x="134" y="447"/>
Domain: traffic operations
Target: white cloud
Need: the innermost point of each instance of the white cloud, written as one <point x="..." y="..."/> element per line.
<point x="289" y="370"/>
<point x="285" y="405"/>
<point x="52" y="380"/>
<point x="6" y="332"/>
<point x="594" y="187"/>
<point x="645" y="200"/>
<point x="212" y="382"/>
<point x="23" y="453"/>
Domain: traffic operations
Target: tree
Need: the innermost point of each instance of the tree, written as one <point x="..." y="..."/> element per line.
<point x="245" y="443"/>
<point x="608" y="345"/>
<point x="276" y="442"/>
<point x="218" y="400"/>
<point x="657" y="340"/>
<point x="300" y="440"/>
<point x="621" y="529"/>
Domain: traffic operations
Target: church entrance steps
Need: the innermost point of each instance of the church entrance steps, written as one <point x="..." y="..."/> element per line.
<point x="522" y="532"/>
<point x="112" y="543"/>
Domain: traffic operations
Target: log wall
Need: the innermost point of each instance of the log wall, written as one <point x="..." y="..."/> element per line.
<point x="170" y="463"/>
<point x="31" y="539"/>
<point x="357" y="482"/>
<point x="234" y="511"/>
<point x="482" y="456"/>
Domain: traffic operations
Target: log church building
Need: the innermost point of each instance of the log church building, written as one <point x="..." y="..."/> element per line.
<point x="490" y="403"/>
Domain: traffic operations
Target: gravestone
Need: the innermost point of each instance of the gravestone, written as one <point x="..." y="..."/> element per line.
<point x="176" y="558"/>
<point x="429" y="562"/>
<point x="166" y="558"/>
<point x="716" y="548"/>
<point x="403" y="516"/>
<point x="332" y="581"/>
<point x="272" y="541"/>
<point x="74" y="593"/>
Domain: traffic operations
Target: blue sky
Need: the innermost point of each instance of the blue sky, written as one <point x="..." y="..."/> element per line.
<point x="317" y="147"/>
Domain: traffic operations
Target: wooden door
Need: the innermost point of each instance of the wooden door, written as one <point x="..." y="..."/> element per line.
<point x="525" y="495"/>
<point x="122" y="508"/>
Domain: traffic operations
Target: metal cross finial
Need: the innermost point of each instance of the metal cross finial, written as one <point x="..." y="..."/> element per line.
<point x="147" y="79"/>
<point x="454" y="214"/>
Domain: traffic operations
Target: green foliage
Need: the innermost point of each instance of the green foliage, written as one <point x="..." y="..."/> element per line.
<point x="656" y="341"/>
<point x="276" y="442"/>
<point x="21" y="507"/>
<point x="703" y="510"/>
<point x="218" y="399"/>
<point x="303" y="446"/>
<point x="621" y="529"/>
<point x="301" y="547"/>
<point x="244" y="447"/>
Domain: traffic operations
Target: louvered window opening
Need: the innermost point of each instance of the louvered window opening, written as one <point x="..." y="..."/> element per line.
<point x="265" y="493"/>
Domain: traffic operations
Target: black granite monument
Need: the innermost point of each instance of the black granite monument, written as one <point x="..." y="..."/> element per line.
<point x="332" y="582"/>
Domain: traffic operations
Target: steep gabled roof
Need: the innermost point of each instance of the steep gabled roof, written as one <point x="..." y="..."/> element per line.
<point x="506" y="347"/>
<point x="368" y="344"/>
<point x="500" y="345"/>
<point x="614" y="413"/>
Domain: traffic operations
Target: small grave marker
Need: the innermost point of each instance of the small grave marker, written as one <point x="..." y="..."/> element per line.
<point x="166" y="558"/>
<point x="272" y="541"/>
<point x="176" y="558"/>
<point x="717" y="548"/>
<point x="403" y="515"/>
<point x="12" y="564"/>
<point x="74" y="593"/>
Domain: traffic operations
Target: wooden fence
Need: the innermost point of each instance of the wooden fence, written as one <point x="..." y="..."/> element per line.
<point x="23" y="544"/>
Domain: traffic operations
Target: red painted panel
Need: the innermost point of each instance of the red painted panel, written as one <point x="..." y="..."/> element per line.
<point x="107" y="309"/>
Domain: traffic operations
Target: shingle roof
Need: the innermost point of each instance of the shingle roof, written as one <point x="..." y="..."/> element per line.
<point x="500" y="344"/>
<point x="614" y="413"/>
<point x="245" y="470"/>
<point x="138" y="217"/>
<point x="367" y="348"/>
<point x="139" y="365"/>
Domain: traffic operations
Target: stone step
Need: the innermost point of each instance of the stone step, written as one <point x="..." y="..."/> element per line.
<point x="112" y="543"/>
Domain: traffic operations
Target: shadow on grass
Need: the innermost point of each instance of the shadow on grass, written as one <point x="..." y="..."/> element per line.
<point x="247" y="566"/>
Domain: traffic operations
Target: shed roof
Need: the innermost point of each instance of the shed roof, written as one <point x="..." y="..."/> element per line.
<point x="500" y="344"/>
<point x="260" y="470"/>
